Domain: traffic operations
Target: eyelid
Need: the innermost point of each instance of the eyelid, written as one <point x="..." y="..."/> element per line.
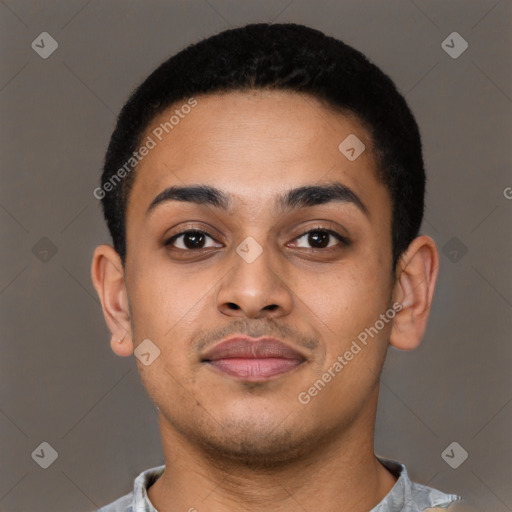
<point x="197" y="227"/>
<point x="333" y="232"/>
<point x="174" y="237"/>
<point x="336" y="234"/>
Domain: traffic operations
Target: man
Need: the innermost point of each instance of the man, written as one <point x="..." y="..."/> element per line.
<point x="264" y="191"/>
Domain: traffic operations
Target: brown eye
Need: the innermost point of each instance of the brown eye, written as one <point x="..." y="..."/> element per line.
<point x="190" y="240"/>
<point x="321" y="238"/>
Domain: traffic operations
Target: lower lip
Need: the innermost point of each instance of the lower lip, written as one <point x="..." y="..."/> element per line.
<point x="255" y="369"/>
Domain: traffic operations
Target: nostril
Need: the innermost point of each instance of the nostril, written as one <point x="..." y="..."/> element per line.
<point x="232" y="305"/>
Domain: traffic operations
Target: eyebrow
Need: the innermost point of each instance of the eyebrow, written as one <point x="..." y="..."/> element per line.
<point x="301" y="197"/>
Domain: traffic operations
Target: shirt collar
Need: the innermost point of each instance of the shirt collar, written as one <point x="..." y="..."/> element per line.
<point x="404" y="496"/>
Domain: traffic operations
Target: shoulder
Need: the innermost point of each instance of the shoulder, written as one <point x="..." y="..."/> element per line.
<point x="408" y="496"/>
<point x="137" y="500"/>
<point x="432" y="498"/>
<point x="454" y="507"/>
<point x="123" y="504"/>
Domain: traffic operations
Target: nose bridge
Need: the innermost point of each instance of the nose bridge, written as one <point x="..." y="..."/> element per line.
<point x="253" y="285"/>
<point x="252" y="265"/>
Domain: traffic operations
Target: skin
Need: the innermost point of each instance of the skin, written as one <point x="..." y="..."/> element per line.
<point x="229" y="444"/>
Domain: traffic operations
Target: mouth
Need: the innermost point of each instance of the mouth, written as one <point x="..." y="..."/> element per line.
<point x="253" y="359"/>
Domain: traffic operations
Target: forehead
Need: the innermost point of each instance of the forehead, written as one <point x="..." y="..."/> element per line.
<point x="254" y="144"/>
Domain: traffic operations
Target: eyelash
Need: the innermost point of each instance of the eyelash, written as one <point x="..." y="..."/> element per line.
<point x="344" y="240"/>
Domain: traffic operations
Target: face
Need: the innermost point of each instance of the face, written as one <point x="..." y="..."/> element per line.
<point x="261" y="255"/>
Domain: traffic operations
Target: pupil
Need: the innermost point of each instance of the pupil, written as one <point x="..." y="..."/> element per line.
<point x="320" y="238"/>
<point x="195" y="240"/>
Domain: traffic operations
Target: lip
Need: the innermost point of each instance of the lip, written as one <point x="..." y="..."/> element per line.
<point x="253" y="359"/>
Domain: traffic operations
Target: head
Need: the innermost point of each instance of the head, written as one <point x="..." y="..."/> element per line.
<point x="295" y="168"/>
<point x="285" y="57"/>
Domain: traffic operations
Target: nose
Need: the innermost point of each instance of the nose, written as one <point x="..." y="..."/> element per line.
<point x="254" y="288"/>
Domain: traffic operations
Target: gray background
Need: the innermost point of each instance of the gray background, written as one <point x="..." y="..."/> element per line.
<point x="60" y="381"/>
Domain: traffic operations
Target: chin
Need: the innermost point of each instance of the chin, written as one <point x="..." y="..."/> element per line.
<point x="267" y="445"/>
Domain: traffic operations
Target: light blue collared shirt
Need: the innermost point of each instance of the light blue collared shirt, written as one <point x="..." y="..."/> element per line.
<point x="405" y="496"/>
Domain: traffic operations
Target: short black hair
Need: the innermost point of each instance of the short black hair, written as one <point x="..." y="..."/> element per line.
<point x="284" y="57"/>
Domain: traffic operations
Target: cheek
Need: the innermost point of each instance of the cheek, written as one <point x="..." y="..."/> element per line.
<point x="165" y="308"/>
<point x="350" y="298"/>
<point x="164" y="301"/>
<point x="355" y="338"/>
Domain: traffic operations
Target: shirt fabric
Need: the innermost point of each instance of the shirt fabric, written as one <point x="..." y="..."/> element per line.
<point x="405" y="496"/>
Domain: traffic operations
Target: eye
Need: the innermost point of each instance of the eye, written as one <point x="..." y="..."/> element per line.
<point x="321" y="238"/>
<point x="192" y="239"/>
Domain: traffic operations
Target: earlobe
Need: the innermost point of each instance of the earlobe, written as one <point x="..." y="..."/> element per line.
<point x="121" y="346"/>
<point x="107" y="275"/>
<point x="414" y="290"/>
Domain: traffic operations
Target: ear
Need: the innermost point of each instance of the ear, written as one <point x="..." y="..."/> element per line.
<point x="414" y="288"/>
<point x="108" y="278"/>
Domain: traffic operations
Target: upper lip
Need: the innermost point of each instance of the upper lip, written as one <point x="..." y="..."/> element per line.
<point x="245" y="347"/>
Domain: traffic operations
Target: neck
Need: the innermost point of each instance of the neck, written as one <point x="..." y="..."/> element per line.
<point x="341" y="470"/>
